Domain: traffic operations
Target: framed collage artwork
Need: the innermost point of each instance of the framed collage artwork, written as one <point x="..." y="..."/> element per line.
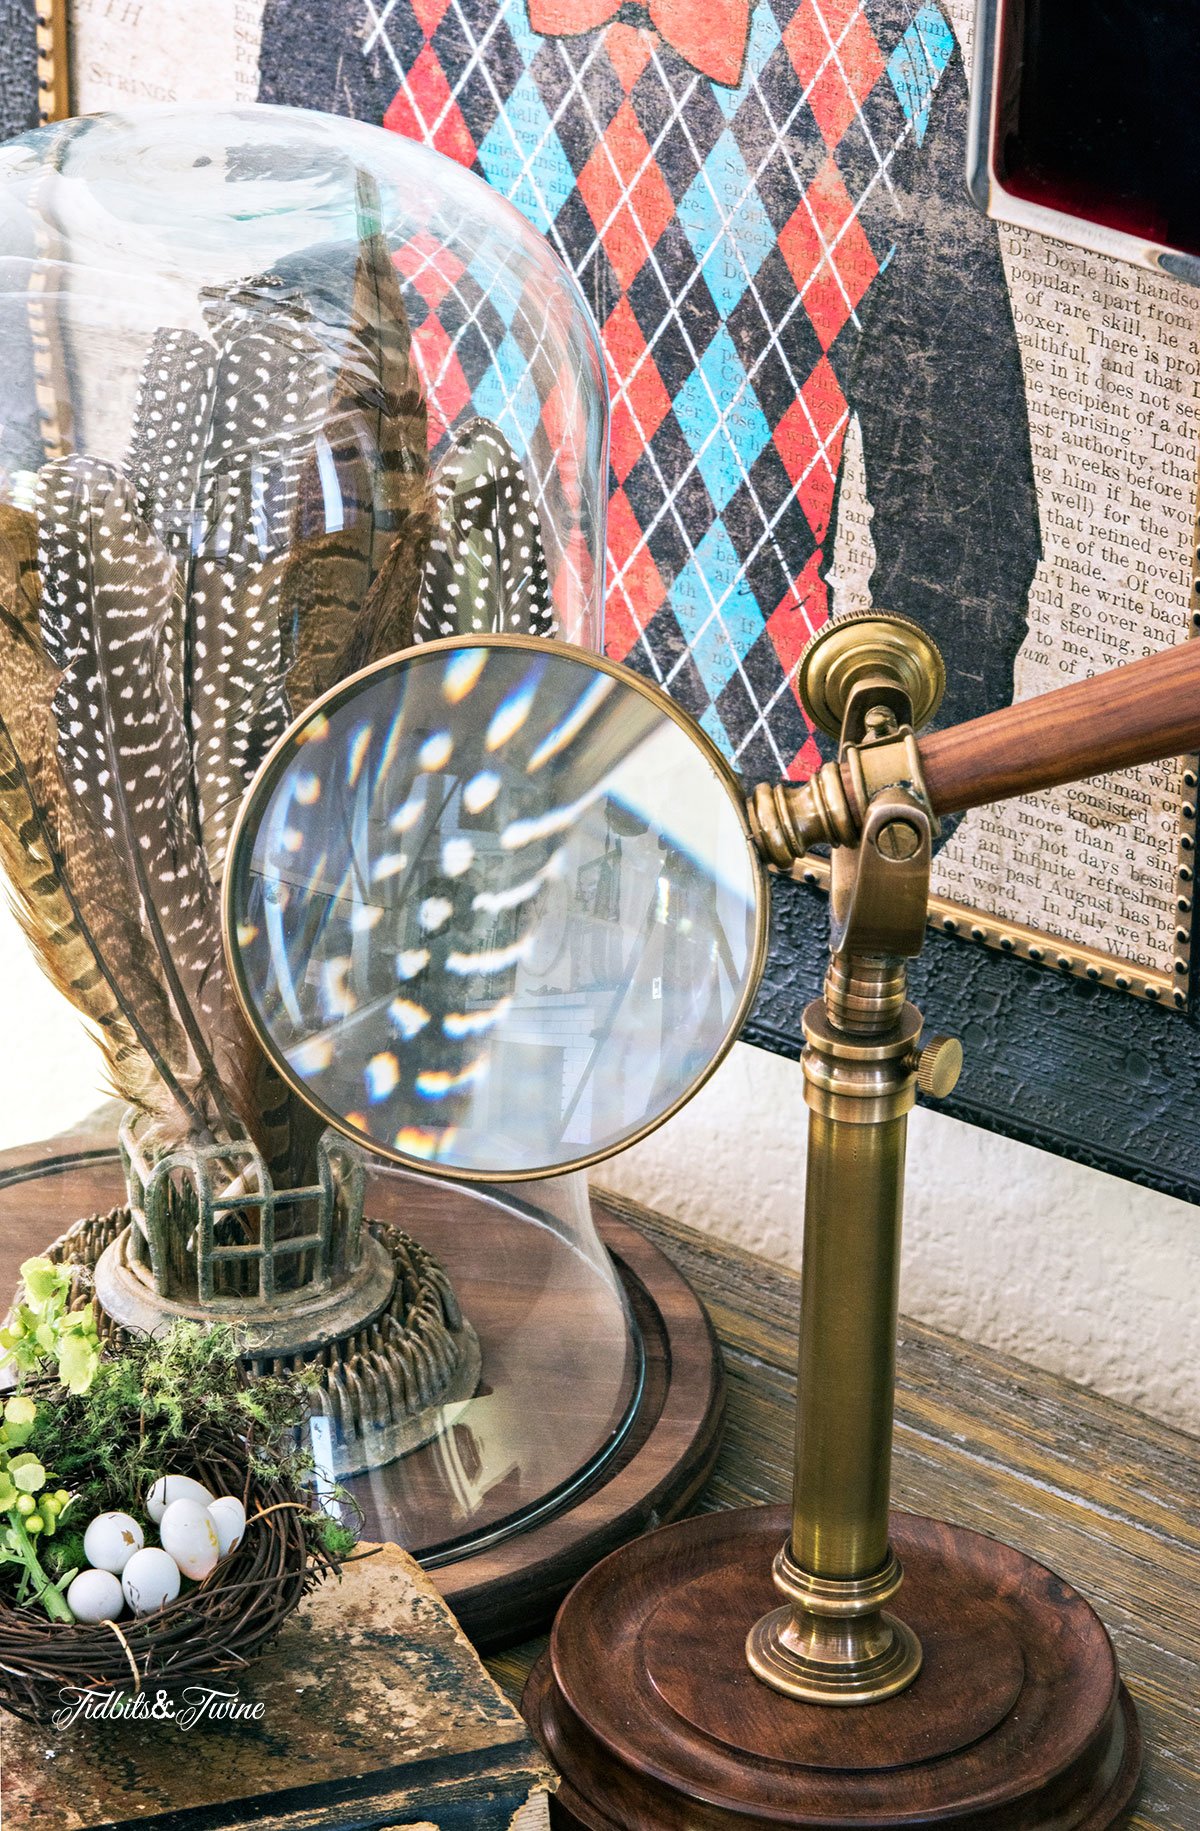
<point x="834" y="383"/>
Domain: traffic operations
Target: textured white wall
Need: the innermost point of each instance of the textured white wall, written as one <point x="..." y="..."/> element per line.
<point x="1075" y="1271"/>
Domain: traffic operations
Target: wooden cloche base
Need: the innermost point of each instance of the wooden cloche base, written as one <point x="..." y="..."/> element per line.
<point x="539" y="1529"/>
<point x="1018" y="1720"/>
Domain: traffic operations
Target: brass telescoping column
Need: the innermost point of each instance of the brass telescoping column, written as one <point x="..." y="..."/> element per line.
<point x="832" y="1641"/>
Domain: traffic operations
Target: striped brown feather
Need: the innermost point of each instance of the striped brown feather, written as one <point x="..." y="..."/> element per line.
<point x="365" y="496"/>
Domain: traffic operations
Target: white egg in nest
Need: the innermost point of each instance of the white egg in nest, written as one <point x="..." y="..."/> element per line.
<point x="170" y="1488"/>
<point x="95" y="1595"/>
<point x="189" y="1533"/>
<point x="229" y="1517"/>
<point x="111" y="1540"/>
<point x="150" y="1580"/>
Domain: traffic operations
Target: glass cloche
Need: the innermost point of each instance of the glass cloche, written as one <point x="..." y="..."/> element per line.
<point x="280" y="395"/>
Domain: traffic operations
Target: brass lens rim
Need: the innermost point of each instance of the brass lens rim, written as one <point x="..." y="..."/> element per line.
<point x="258" y="796"/>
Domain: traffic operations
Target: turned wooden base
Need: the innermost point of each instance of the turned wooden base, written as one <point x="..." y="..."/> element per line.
<point x="1018" y="1720"/>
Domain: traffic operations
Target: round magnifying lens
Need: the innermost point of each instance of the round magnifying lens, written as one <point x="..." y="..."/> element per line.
<point x="493" y="907"/>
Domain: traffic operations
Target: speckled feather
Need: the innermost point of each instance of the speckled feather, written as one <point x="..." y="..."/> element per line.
<point x="487" y="565"/>
<point x="68" y="887"/>
<point x="256" y="426"/>
<point x="166" y="446"/>
<point x="111" y="619"/>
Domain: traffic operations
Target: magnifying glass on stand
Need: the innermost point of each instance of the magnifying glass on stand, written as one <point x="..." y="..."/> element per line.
<point x="395" y="877"/>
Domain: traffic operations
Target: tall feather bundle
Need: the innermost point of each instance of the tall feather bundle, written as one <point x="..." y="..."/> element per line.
<point x="276" y="525"/>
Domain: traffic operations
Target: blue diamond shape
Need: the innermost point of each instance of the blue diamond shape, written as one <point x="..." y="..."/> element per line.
<point x="508" y="395"/>
<point x="728" y="228"/>
<point x="716" y="609"/>
<point x="539" y="187"/>
<point x="710" y="721"/>
<point x="721" y="418"/>
<point x="917" y="64"/>
<point x="765" y="34"/>
<point x="526" y="41"/>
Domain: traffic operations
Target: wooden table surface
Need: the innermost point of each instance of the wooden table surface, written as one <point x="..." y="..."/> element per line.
<point x="1107" y="1497"/>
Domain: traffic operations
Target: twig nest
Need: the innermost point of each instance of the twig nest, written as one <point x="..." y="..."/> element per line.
<point x="111" y="1540"/>
<point x="191" y="1638"/>
<point x="189" y="1533"/>
<point x="151" y="1579"/>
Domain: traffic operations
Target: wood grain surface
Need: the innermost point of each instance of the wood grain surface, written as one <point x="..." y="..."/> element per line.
<point x="1134" y="714"/>
<point x="648" y="1708"/>
<point x="1105" y="1496"/>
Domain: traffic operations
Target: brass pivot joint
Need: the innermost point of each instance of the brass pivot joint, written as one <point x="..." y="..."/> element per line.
<point x="870" y="680"/>
<point x="788" y="819"/>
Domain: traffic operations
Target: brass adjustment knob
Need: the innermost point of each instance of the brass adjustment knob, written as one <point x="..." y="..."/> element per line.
<point x="938" y="1065"/>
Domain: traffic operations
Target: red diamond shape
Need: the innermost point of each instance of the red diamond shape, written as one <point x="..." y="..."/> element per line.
<point x="425" y="110"/>
<point x="574" y="586"/>
<point x="446" y="387"/>
<point x="860" y="57"/>
<point x="635" y="589"/>
<point x="800" y="245"/>
<point x="557" y="412"/>
<point x="809" y="440"/>
<point x="822" y="395"/>
<point x="431" y="267"/>
<point x="836" y="14"/>
<point x="429" y="14"/>
<point x="807" y="42"/>
<point x="640" y="400"/>
<point x="832" y="104"/>
<point x="626" y="194"/>
<point x="814" y="31"/>
<point x="799" y="614"/>
<point x="850" y="74"/>
<point x="847" y="269"/>
<point x="795" y="441"/>
<point x="815" y="492"/>
<point x="826" y="305"/>
<point x="629" y="51"/>
<point x="805" y="763"/>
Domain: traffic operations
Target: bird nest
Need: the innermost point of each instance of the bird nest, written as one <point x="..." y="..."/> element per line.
<point x="216" y="1628"/>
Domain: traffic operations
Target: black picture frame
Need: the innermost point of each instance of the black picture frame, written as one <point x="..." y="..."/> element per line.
<point x="19" y="95"/>
<point x="1071" y="1067"/>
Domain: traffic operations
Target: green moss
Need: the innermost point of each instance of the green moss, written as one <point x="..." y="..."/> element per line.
<point x="148" y="1403"/>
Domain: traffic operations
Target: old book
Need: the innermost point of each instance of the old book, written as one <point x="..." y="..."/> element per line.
<point x="371" y="1710"/>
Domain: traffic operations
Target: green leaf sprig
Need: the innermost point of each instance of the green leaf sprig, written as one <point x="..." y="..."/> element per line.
<point x="42" y="1332"/>
<point x="29" y="1511"/>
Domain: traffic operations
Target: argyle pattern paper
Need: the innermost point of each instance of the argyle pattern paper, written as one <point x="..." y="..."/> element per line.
<point x="492" y="340"/>
<point x="727" y="239"/>
<point x="761" y="258"/>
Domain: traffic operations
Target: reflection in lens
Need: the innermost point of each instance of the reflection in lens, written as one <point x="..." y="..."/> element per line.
<point x="495" y="908"/>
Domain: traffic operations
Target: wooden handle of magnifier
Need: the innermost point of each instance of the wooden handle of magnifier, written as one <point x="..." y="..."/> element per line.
<point x="1135" y="714"/>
